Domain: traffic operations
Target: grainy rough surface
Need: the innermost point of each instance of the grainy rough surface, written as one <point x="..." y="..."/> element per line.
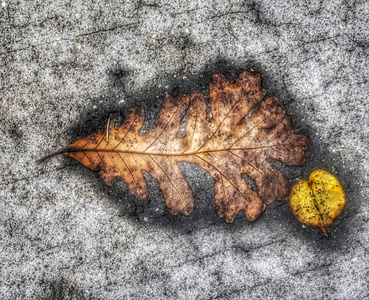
<point x="66" y="65"/>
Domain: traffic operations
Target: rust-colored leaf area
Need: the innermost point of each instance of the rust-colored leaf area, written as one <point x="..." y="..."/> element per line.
<point x="227" y="145"/>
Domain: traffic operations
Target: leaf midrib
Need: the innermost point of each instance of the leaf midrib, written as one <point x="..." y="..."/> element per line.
<point x="168" y="154"/>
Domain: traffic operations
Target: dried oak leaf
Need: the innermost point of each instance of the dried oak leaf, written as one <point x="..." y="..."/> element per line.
<point x="227" y="145"/>
<point x="319" y="201"/>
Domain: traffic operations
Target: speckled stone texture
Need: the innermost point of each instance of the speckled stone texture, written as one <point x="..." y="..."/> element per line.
<point x="65" y="66"/>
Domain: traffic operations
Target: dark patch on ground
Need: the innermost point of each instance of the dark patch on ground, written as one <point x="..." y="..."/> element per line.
<point x="62" y="289"/>
<point x="152" y="210"/>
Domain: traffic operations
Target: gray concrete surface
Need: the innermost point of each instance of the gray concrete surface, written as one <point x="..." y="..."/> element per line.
<point x="65" y="65"/>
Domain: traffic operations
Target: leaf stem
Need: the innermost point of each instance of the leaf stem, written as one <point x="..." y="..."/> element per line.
<point x="41" y="160"/>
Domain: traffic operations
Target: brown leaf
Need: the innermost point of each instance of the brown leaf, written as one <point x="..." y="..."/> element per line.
<point x="227" y="146"/>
